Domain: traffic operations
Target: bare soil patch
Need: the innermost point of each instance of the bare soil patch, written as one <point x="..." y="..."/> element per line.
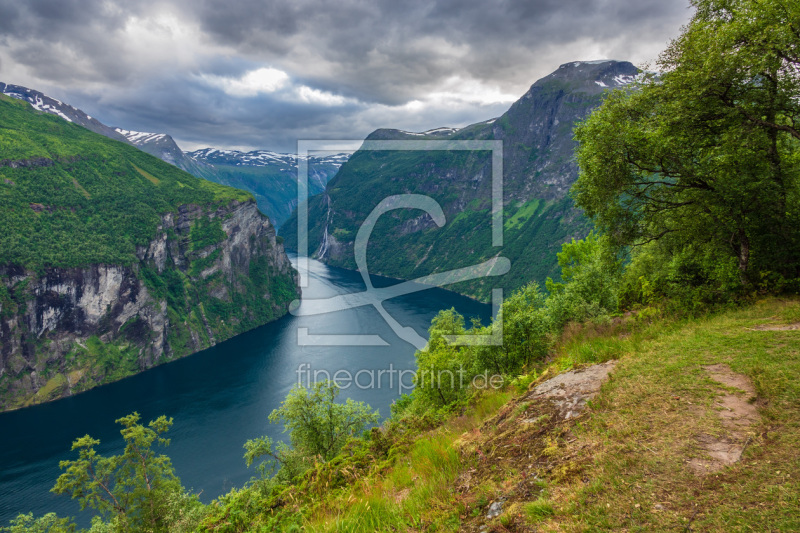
<point x="738" y="413"/>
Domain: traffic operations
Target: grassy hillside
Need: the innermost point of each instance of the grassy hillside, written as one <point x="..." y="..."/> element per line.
<point x="624" y="463"/>
<point x="621" y="465"/>
<point x="71" y="197"/>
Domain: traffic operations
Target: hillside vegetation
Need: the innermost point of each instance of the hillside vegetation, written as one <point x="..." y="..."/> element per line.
<point x="113" y="261"/>
<point x="538" y="169"/>
<point x="71" y="197"/>
<point x="683" y="304"/>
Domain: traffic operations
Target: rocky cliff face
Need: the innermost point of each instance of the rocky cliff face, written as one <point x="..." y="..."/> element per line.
<point x="538" y="170"/>
<point x="203" y="278"/>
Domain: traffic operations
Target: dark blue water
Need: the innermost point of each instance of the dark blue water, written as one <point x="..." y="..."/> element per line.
<point x="219" y="398"/>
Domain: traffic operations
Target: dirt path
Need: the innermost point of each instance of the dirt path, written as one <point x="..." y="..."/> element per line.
<point x="738" y="413"/>
<point x="777" y="327"/>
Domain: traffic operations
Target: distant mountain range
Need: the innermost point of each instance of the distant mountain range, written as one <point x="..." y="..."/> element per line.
<point x="270" y="176"/>
<point x="538" y="170"/>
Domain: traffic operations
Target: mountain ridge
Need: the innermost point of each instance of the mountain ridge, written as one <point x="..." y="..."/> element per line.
<point x="273" y="180"/>
<point x="538" y="166"/>
<point x="113" y="261"/>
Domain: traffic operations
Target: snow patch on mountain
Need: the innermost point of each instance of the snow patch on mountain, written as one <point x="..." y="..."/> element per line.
<point x="140" y="137"/>
<point x="440" y="130"/>
<point x="624" y="79"/>
<point x="262" y="158"/>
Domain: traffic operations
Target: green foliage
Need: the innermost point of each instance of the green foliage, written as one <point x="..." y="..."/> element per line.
<point x="134" y="491"/>
<point x="443" y="371"/>
<point x="526" y="331"/>
<point x="318" y="428"/>
<point x="591" y="272"/>
<point x="49" y="523"/>
<point x="77" y="198"/>
<point x="531" y="322"/>
<point x="206" y="232"/>
<point x="703" y="160"/>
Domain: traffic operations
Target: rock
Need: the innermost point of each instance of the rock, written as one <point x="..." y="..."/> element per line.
<point x="495" y="510"/>
<point x="61" y="308"/>
<point x="570" y="391"/>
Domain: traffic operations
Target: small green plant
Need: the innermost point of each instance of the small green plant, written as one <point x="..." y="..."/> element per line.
<point x="539" y="510"/>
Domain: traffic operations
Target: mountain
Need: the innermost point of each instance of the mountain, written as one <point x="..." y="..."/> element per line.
<point x="165" y="148"/>
<point x="538" y="170"/>
<point x="113" y="261"/>
<point x="160" y="145"/>
<point x="270" y="176"/>
<point x="46" y="104"/>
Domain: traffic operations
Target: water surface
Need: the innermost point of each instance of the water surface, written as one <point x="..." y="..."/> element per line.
<point x="218" y="398"/>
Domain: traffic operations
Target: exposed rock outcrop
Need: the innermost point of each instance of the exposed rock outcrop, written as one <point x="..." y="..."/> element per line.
<point x="63" y="330"/>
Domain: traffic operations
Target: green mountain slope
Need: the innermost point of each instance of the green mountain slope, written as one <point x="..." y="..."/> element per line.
<point x="112" y="260"/>
<point x="270" y="176"/>
<point x="538" y="170"/>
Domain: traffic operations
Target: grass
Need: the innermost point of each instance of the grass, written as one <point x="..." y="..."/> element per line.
<point x="152" y="179"/>
<point x="417" y="493"/>
<point x="645" y="426"/>
<point x="523" y="213"/>
<point x="622" y="465"/>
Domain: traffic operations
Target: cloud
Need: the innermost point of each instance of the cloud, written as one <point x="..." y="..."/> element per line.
<point x="252" y="83"/>
<point x="263" y="73"/>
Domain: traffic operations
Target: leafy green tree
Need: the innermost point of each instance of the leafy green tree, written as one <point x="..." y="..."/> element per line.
<point x="526" y="333"/>
<point x="137" y="490"/>
<point x="590" y="273"/>
<point x="49" y="523"/>
<point x="318" y="428"/>
<point x="706" y="153"/>
<point x="443" y="371"/>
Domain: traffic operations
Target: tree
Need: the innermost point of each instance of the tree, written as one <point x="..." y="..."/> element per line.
<point x="706" y="153"/>
<point x="590" y="273"/>
<point x="49" y="523"/>
<point x="135" y="490"/>
<point x="318" y="428"/>
<point x="443" y="371"/>
<point x="526" y="333"/>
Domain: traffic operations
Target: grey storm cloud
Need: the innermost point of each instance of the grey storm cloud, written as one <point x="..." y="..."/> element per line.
<point x="348" y="66"/>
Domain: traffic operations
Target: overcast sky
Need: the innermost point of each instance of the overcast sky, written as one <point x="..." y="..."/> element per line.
<point x="262" y="74"/>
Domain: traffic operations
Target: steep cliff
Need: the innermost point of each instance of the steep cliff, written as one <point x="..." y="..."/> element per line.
<point x="112" y="261"/>
<point x="538" y="170"/>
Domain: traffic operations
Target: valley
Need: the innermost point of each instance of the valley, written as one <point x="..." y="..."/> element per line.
<point x="177" y="357"/>
<point x="538" y="169"/>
